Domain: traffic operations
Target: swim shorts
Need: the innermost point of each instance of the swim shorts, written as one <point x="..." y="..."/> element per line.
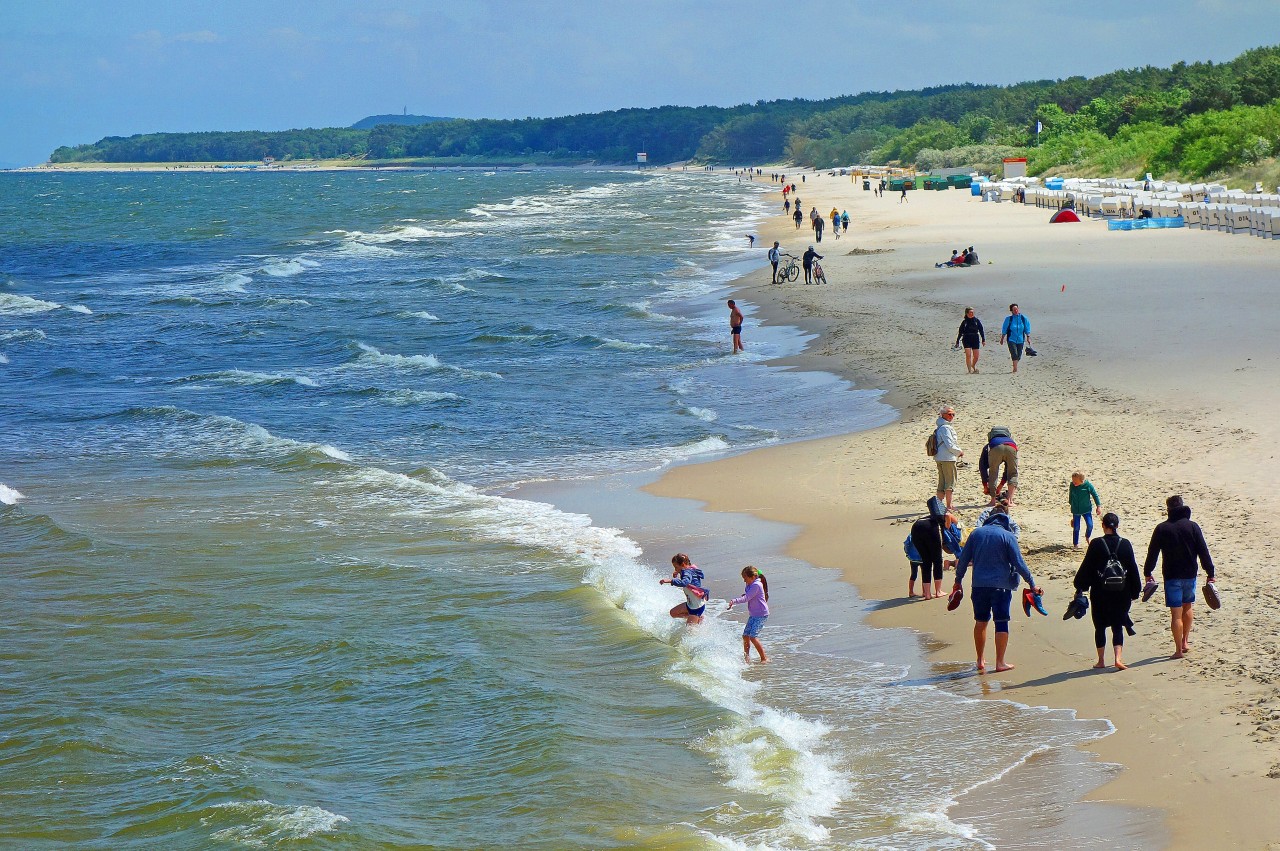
<point x="754" y="625"/>
<point x="736" y="329"/>
<point x="992" y="604"/>
<point x="697" y="613"/>
<point x="1179" y="592"/>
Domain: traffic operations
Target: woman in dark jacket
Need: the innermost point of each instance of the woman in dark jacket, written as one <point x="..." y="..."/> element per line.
<point x="1110" y="591"/>
<point x="973" y="337"/>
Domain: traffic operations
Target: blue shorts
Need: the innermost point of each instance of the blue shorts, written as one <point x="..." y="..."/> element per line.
<point x="696" y="613"/>
<point x="992" y="604"/>
<point x="1179" y="592"/>
<point x="754" y="625"/>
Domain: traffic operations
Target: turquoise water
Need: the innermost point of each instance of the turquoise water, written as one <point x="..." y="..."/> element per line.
<point x="268" y="584"/>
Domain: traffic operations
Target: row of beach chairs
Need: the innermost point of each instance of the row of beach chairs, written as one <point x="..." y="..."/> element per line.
<point x="1228" y="210"/>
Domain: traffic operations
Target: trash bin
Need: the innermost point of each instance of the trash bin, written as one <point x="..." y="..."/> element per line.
<point x="975" y="189"/>
<point x="866" y="186"/>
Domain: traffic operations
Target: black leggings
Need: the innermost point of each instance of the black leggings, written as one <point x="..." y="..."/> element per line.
<point x="930" y="549"/>
<point x="1100" y="636"/>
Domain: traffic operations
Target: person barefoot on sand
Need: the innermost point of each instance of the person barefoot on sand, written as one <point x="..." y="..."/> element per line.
<point x="756" y="596"/>
<point x="1109" y="572"/>
<point x="735" y="326"/>
<point x="686" y="575"/>
<point x="973" y="337"/>
<point x="997" y="567"/>
<point x="1181" y="543"/>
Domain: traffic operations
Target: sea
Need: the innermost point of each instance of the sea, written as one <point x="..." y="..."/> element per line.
<point x="321" y="524"/>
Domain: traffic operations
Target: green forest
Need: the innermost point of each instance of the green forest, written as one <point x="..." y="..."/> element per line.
<point x="1189" y="120"/>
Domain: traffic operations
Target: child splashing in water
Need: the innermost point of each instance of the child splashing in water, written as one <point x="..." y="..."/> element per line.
<point x="756" y="596"/>
<point x="685" y="574"/>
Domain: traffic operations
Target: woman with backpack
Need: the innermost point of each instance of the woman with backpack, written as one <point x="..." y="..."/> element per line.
<point x="1109" y="572"/>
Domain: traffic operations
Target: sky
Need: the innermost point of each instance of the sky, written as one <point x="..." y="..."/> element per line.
<point x="74" y="71"/>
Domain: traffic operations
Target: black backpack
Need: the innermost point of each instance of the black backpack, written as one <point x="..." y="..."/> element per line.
<point x="1111" y="574"/>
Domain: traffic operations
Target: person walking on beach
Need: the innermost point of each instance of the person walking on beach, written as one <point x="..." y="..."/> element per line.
<point x="1080" y="494"/>
<point x="948" y="453"/>
<point x="997" y="568"/>
<point x="844" y="221"/>
<point x="774" y="257"/>
<point x="797" y="216"/>
<point x="902" y="199"/>
<point x="1181" y="543"/>
<point x="998" y="465"/>
<point x="1109" y="572"/>
<point x="806" y="260"/>
<point x="818" y="224"/>
<point x="973" y="337"/>
<point x="756" y="596"/>
<point x="686" y="575"/>
<point x="786" y="206"/>
<point x="735" y="326"/>
<point x="1017" y="331"/>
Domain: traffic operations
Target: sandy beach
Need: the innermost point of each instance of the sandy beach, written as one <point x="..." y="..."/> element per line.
<point x="1156" y="351"/>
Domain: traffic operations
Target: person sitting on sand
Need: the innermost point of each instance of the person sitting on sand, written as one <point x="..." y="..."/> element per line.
<point x="1182" y="544"/>
<point x="756" y="596"/>
<point x="686" y="575"/>
<point x="997" y="568"/>
<point x="1109" y="572"/>
<point x="970" y="257"/>
<point x="954" y="261"/>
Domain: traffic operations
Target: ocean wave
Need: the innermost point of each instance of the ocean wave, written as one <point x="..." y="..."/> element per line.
<point x="403" y="233"/>
<point x="705" y="414"/>
<point x="265" y="824"/>
<point x="282" y="268"/>
<point x="9" y="496"/>
<point x="625" y="346"/>
<point x="285" y="302"/>
<point x="419" y="314"/>
<point x="232" y="282"/>
<point x="404" y="397"/>
<point x="21" y="305"/>
<point x="372" y="357"/>
<point x="244" y="378"/>
<point x="79" y="308"/>
<point x="22" y="335"/>
<point x="364" y="249"/>
<point x="4" y="358"/>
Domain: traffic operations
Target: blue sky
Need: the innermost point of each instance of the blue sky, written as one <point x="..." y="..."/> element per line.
<point x="75" y="71"/>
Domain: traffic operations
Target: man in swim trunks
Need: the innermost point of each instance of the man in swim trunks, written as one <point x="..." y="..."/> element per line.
<point x="735" y="326"/>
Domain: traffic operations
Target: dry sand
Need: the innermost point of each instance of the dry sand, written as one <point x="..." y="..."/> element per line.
<point x="1157" y="363"/>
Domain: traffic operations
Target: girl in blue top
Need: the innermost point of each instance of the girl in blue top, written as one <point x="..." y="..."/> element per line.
<point x="685" y="575"/>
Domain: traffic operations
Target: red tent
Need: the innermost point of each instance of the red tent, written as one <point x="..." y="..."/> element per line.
<point x="1065" y="215"/>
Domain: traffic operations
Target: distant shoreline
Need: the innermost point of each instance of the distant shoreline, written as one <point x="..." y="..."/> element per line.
<point x="320" y="165"/>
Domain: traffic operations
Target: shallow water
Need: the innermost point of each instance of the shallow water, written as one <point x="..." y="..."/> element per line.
<point x="270" y="584"/>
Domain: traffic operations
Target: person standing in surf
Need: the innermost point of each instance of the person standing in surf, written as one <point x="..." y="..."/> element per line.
<point x="756" y="596"/>
<point x="686" y="576"/>
<point x="735" y="326"/>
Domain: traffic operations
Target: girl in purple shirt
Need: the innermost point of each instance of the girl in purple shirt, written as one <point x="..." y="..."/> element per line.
<point x="756" y="596"/>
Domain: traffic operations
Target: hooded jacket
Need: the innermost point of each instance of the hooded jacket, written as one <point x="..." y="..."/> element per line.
<point x="993" y="551"/>
<point x="1181" y="543"/>
<point x="948" y="445"/>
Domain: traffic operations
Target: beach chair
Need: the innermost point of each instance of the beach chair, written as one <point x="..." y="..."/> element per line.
<point x="1190" y="214"/>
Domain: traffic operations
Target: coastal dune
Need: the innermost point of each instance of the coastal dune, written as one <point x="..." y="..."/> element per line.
<point x="1157" y="357"/>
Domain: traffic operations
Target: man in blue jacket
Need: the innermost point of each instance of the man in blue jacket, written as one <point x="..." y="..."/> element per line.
<point x="997" y="563"/>
<point x="1016" y="330"/>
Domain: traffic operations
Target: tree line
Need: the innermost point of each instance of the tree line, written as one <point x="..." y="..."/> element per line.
<point x="1188" y="119"/>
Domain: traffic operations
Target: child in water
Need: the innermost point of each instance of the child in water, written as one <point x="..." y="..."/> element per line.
<point x="685" y="574"/>
<point x="756" y="596"/>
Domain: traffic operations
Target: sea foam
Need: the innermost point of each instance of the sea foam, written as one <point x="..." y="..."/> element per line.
<point x="9" y="496"/>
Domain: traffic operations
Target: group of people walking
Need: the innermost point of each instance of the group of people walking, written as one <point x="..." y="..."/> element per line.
<point x="1015" y="332"/>
<point x="1107" y="581"/>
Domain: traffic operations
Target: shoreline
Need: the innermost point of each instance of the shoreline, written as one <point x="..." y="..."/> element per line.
<point x="1153" y="703"/>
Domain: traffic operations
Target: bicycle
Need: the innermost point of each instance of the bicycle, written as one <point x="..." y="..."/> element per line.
<point x="819" y="276"/>
<point x="790" y="271"/>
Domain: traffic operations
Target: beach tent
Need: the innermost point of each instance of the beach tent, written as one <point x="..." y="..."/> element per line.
<point x="1064" y="216"/>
